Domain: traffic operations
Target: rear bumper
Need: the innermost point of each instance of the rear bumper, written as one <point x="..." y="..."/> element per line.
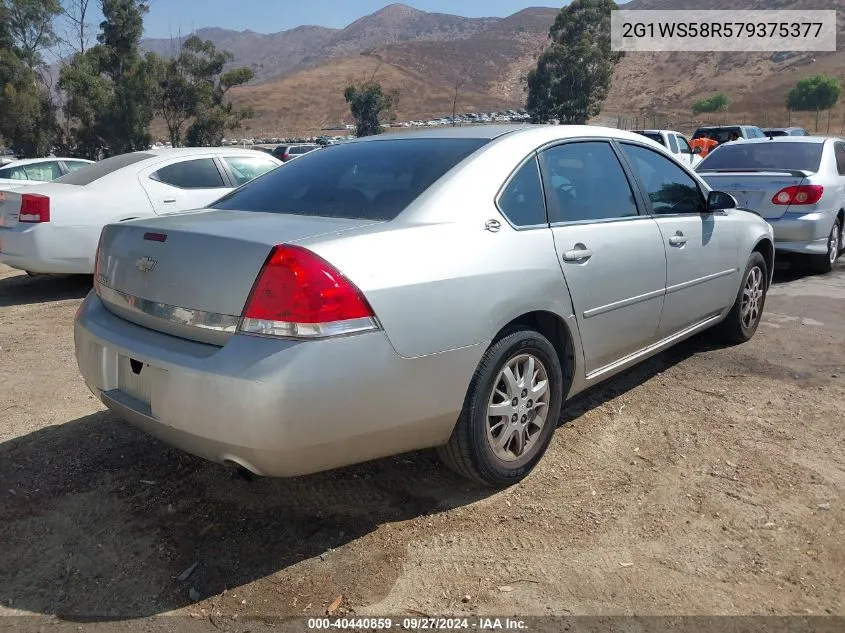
<point x="804" y="234"/>
<point x="42" y="248"/>
<point x="276" y="407"/>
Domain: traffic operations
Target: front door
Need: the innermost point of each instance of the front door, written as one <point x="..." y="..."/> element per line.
<point x="702" y="275"/>
<point x="611" y="256"/>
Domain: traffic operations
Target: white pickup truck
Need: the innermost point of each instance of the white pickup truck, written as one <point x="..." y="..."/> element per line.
<point x="676" y="143"/>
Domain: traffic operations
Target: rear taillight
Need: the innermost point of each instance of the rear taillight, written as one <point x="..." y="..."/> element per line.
<point x="34" y="208"/>
<point x="98" y="258"/>
<point x="798" y="194"/>
<point x="299" y="294"/>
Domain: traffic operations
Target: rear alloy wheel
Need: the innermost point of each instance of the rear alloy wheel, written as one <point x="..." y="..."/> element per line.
<point x="510" y="412"/>
<point x="744" y="318"/>
<point x="824" y="263"/>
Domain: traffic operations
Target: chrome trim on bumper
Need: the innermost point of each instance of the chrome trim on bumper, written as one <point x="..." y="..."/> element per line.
<point x="129" y="305"/>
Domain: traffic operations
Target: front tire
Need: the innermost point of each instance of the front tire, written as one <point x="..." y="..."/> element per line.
<point x="823" y="264"/>
<point x="510" y="411"/>
<point x="744" y="318"/>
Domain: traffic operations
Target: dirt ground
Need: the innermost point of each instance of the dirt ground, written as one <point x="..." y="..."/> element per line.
<point x="706" y="481"/>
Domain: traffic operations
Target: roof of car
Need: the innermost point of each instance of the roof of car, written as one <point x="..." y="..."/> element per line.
<point x="168" y="152"/>
<point x="34" y="161"/>
<point x="491" y="132"/>
<point x="788" y="139"/>
<point x="781" y="129"/>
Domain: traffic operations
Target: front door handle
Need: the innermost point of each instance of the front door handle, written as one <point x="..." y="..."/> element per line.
<point x="169" y="200"/>
<point x="579" y="253"/>
<point x="677" y="239"/>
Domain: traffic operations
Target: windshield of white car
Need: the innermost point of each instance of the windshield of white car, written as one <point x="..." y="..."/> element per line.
<point x="762" y="156"/>
<point x="88" y="174"/>
<point x="372" y="180"/>
<point x="653" y="136"/>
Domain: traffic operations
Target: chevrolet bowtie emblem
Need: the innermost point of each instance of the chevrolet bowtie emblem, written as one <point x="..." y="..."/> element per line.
<point x="145" y="264"/>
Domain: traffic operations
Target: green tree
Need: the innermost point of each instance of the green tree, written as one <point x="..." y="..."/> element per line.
<point x="573" y="75"/>
<point x="195" y="84"/>
<point x="714" y="103"/>
<point x="816" y="93"/>
<point x="370" y="105"/>
<point x="110" y="88"/>
<point x="28" y="120"/>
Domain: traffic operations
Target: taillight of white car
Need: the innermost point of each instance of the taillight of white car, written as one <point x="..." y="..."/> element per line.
<point x="300" y="295"/>
<point x="35" y="208"/>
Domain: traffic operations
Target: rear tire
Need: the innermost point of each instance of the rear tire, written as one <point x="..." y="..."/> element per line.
<point x="495" y="441"/>
<point x="823" y="264"/>
<point x="744" y="318"/>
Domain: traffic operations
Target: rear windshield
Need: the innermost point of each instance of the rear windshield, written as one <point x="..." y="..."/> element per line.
<point x="88" y="174"/>
<point x="372" y="180"/>
<point x="721" y="133"/>
<point x="652" y="136"/>
<point x="758" y="156"/>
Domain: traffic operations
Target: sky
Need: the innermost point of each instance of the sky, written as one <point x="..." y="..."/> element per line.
<point x="169" y="17"/>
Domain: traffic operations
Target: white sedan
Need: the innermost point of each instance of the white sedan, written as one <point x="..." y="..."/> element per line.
<point x="33" y="171"/>
<point x="54" y="227"/>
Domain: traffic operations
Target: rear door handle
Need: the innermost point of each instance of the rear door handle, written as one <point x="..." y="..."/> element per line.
<point x="577" y="255"/>
<point x="169" y="200"/>
<point x="677" y="239"/>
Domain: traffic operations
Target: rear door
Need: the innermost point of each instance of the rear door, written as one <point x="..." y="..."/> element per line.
<point x="611" y="256"/>
<point x="185" y="183"/>
<point x="701" y="249"/>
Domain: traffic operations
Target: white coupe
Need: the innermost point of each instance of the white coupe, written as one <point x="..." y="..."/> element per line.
<point x="33" y="171"/>
<point x="54" y="227"/>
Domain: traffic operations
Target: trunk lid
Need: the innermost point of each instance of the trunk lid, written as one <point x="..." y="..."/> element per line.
<point x="755" y="189"/>
<point x="190" y="274"/>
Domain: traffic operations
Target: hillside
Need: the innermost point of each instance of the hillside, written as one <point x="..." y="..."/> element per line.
<point x="301" y="73"/>
<point x="757" y="82"/>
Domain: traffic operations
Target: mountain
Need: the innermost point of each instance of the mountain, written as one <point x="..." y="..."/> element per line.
<point x="280" y="53"/>
<point x="301" y="73"/>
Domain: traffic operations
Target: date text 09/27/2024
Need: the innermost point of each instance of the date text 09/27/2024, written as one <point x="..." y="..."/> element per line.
<point x="417" y="624"/>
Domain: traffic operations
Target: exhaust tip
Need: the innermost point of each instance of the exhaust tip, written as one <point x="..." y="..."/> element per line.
<point x="241" y="468"/>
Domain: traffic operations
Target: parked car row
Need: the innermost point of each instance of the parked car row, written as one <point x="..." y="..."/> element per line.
<point x="54" y="227"/>
<point x="301" y="323"/>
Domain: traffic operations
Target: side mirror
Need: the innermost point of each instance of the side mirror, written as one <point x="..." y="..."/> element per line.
<point x="719" y="201"/>
<point x="696" y="150"/>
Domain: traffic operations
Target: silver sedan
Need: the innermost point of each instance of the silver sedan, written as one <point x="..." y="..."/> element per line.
<point x="797" y="183"/>
<point x="451" y="288"/>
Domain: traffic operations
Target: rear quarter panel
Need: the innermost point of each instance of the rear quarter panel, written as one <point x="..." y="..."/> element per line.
<point x="436" y="278"/>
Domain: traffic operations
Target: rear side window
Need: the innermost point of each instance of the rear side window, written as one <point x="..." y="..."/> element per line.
<point x="372" y="180"/>
<point x="201" y="173"/>
<point x="103" y="168"/>
<point x="768" y="155"/>
<point x="839" y="150"/>
<point x="584" y="182"/>
<point x="44" y="172"/>
<point x="246" y="168"/>
<point x="521" y="200"/>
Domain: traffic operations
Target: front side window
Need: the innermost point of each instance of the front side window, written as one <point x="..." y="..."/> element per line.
<point x="521" y="200"/>
<point x="246" y="168"/>
<point x="73" y="165"/>
<point x="200" y="173"/>
<point x="585" y="182"/>
<point x="669" y="188"/>
<point x="673" y="144"/>
<point x="683" y="145"/>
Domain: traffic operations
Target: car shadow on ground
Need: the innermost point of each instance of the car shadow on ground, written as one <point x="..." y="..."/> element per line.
<point x="23" y="289"/>
<point x="98" y="521"/>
